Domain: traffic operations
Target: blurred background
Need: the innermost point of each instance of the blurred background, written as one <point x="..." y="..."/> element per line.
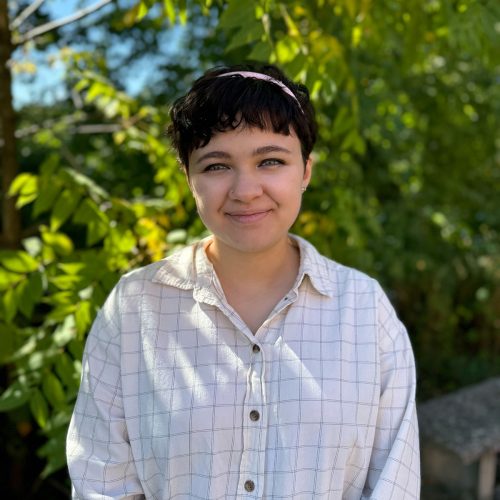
<point x="406" y="184"/>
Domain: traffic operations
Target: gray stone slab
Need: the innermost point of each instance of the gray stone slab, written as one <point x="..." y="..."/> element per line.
<point x="465" y="422"/>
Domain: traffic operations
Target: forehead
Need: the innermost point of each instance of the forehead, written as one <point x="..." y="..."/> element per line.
<point x="248" y="140"/>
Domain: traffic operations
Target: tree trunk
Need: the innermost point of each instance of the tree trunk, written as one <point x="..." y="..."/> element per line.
<point x="10" y="235"/>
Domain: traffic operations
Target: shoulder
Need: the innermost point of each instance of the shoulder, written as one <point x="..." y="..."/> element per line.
<point x="176" y="270"/>
<point x="332" y="278"/>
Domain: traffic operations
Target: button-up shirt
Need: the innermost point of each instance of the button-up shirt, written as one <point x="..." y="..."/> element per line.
<point x="179" y="399"/>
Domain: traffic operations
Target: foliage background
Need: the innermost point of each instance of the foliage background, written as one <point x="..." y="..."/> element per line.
<point x="405" y="188"/>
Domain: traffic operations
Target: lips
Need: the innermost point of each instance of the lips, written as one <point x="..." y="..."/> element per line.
<point x="248" y="217"/>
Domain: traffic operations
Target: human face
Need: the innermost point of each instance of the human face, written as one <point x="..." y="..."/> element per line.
<point x="248" y="184"/>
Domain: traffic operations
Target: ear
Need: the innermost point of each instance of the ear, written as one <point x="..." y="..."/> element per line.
<point x="307" y="172"/>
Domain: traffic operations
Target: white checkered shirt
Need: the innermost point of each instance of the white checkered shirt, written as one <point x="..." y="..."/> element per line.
<point x="180" y="400"/>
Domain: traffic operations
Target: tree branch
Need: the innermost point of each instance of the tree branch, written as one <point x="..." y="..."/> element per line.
<point x="44" y="28"/>
<point x="74" y="128"/>
<point x="33" y="129"/>
<point x="25" y="14"/>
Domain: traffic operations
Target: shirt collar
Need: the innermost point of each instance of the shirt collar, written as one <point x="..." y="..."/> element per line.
<point x="314" y="266"/>
<point x="190" y="268"/>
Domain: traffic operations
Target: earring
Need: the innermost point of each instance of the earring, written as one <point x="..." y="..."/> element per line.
<point x="303" y="188"/>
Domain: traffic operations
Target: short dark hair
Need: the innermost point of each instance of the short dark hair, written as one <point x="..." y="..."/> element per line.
<point x="219" y="104"/>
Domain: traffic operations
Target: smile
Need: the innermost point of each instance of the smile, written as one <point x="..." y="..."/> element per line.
<point x="248" y="218"/>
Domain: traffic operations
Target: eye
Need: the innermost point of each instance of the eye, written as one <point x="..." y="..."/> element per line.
<point x="271" y="162"/>
<point x="215" y="167"/>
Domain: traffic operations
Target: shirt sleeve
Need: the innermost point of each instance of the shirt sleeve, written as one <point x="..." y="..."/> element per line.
<point x="98" y="450"/>
<point x="394" y="471"/>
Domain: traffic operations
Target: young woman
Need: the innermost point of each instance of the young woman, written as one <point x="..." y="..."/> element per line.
<point x="246" y="365"/>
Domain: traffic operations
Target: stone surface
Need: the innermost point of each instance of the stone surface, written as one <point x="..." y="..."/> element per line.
<point x="465" y="422"/>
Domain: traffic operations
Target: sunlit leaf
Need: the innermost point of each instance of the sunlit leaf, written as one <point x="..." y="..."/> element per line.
<point x="65" y="332"/>
<point x="83" y="317"/>
<point x="24" y="181"/>
<point x="8" y="279"/>
<point x="169" y="8"/>
<point x="61" y="243"/>
<point x="14" y="396"/>
<point x="18" y="261"/>
<point x="66" y="204"/>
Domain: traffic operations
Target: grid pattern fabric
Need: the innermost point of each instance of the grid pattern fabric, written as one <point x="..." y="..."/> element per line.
<point x="179" y="400"/>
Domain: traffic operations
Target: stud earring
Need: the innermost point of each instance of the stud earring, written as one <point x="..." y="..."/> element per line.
<point x="303" y="188"/>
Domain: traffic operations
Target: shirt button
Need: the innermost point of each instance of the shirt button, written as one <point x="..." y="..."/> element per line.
<point x="256" y="348"/>
<point x="249" y="485"/>
<point x="254" y="415"/>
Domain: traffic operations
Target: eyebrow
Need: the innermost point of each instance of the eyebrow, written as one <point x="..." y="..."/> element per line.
<point x="256" y="152"/>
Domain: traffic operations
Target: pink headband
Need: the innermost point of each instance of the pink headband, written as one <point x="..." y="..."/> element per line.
<point x="267" y="78"/>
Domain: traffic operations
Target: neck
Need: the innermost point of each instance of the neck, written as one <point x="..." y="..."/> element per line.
<point x="257" y="269"/>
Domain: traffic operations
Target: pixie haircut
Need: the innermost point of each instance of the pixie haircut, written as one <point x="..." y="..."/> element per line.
<point x="219" y="103"/>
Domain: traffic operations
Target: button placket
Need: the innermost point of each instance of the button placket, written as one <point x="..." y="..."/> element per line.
<point x="254" y="430"/>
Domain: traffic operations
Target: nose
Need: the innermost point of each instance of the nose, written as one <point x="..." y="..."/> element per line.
<point x="245" y="187"/>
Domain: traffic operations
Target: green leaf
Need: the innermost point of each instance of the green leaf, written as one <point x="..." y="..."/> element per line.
<point x="7" y="344"/>
<point x="29" y="293"/>
<point x="8" y="279"/>
<point x="67" y="371"/>
<point x="39" y="408"/>
<point x="83" y="317"/>
<point x="246" y="36"/>
<point x="15" y="396"/>
<point x="53" y="391"/>
<point x="287" y="49"/>
<point x="18" y="261"/>
<point x="96" y="221"/>
<point x="168" y="7"/>
<point x="61" y="243"/>
<point x="60" y="312"/>
<point x="67" y="281"/>
<point x="96" y="191"/>
<point x="54" y="451"/>
<point x="65" y="332"/>
<point x="9" y="301"/>
<point x="25" y="186"/>
<point x="25" y="350"/>
<point x="65" y="206"/>
<point x="183" y="11"/>
<point x="238" y="14"/>
<point x="71" y="267"/>
<point x="260" y="52"/>
<point x="120" y="240"/>
<point x="46" y="197"/>
<point x="19" y="182"/>
<point x="23" y="299"/>
<point x="40" y="359"/>
<point x="35" y="285"/>
<point x="142" y="11"/>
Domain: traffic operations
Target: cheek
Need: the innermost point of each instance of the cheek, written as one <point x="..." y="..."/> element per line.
<point x="205" y="195"/>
